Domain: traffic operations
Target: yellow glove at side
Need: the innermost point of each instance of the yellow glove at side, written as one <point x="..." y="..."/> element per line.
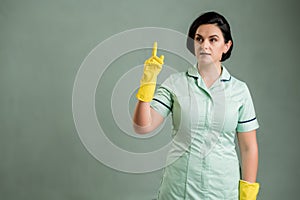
<point x="248" y="191"/>
<point x="152" y="67"/>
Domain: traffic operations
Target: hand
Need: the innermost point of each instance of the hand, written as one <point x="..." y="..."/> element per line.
<point x="248" y="191"/>
<point x="154" y="59"/>
<point x="152" y="67"/>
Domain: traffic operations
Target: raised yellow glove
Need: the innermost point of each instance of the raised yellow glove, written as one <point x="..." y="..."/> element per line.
<point x="152" y="67"/>
<point x="248" y="191"/>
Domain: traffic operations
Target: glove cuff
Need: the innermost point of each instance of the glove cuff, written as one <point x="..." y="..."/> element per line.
<point x="146" y="92"/>
<point x="248" y="191"/>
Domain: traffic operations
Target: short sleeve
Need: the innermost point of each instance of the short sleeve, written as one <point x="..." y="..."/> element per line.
<point x="163" y="101"/>
<point x="247" y="117"/>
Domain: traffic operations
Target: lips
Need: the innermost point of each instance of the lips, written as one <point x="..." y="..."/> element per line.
<point x="204" y="53"/>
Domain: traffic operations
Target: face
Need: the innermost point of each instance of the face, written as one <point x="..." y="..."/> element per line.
<point x="209" y="44"/>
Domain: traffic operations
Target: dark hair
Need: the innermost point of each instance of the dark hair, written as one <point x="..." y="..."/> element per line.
<point x="210" y="18"/>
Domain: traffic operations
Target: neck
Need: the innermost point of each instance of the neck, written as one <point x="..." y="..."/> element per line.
<point x="210" y="73"/>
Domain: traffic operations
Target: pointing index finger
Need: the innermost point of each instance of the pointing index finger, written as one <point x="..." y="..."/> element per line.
<point x="154" y="50"/>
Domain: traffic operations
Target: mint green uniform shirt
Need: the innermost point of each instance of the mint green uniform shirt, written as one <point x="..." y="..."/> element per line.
<point x="202" y="161"/>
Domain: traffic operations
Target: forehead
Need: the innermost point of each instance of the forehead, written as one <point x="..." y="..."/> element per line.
<point x="208" y="30"/>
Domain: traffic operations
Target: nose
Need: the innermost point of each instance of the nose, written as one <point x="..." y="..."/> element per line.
<point x="204" y="44"/>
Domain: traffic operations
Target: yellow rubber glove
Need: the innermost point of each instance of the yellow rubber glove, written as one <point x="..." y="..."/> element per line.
<point x="248" y="191"/>
<point x="152" y="67"/>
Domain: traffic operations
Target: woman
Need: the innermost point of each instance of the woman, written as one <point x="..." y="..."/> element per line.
<point x="209" y="108"/>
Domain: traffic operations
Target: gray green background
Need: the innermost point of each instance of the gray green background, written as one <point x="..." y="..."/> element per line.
<point x="42" y="45"/>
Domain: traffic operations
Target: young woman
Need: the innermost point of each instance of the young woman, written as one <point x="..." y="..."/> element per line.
<point x="209" y="108"/>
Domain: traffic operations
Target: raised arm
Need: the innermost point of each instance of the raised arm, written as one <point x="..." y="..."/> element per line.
<point x="146" y="119"/>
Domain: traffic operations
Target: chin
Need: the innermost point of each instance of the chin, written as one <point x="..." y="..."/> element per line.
<point x="205" y="61"/>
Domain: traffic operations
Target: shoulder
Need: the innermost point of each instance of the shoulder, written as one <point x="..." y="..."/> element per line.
<point x="175" y="83"/>
<point x="233" y="82"/>
<point x="241" y="89"/>
<point x="176" y="78"/>
<point x="237" y="83"/>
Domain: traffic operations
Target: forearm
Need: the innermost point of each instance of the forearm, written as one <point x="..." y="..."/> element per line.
<point x="249" y="157"/>
<point x="145" y="119"/>
<point x="142" y="115"/>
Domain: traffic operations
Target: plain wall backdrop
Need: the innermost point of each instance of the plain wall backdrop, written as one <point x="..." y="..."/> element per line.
<point x="42" y="45"/>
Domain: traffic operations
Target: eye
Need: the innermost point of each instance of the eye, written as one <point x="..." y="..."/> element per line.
<point x="197" y="38"/>
<point x="213" y="40"/>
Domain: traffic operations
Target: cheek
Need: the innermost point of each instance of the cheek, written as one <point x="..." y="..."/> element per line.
<point x="196" y="46"/>
<point x="220" y="50"/>
<point x="224" y="48"/>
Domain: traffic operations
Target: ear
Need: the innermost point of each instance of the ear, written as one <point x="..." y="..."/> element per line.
<point x="227" y="46"/>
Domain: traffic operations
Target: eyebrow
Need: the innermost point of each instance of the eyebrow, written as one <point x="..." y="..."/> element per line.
<point x="209" y="36"/>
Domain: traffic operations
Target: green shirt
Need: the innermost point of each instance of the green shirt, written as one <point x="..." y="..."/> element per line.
<point x="202" y="162"/>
